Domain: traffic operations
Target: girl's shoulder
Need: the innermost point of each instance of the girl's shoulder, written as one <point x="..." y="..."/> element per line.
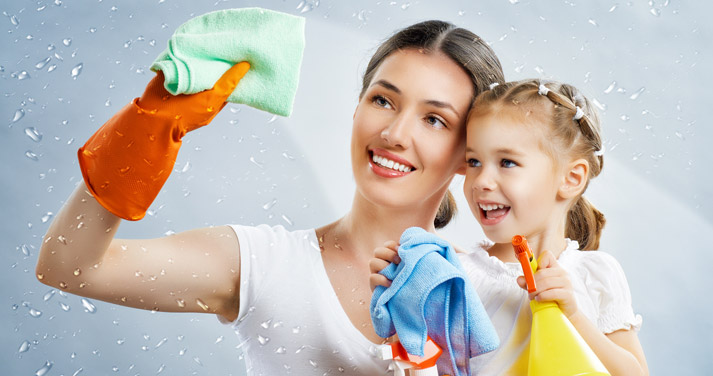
<point x="590" y="263"/>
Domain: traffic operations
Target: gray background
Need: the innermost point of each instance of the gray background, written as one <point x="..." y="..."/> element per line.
<point x="646" y="63"/>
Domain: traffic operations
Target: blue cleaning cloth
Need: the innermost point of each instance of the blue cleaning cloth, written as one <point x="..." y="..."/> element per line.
<point x="204" y="47"/>
<point x="430" y="295"/>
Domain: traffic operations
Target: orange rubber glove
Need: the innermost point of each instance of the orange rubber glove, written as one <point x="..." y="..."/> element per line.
<point x="127" y="161"/>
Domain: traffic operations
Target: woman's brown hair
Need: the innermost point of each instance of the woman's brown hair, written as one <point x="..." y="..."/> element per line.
<point x="466" y="49"/>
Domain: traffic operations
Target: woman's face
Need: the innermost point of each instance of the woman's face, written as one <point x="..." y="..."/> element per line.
<point x="408" y="138"/>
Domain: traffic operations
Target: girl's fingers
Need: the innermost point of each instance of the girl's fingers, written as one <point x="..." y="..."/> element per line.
<point x="377" y="264"/>
<point x="387" y="254"/>
<point x="546" y="260"/>
<point x="378" y="280"/>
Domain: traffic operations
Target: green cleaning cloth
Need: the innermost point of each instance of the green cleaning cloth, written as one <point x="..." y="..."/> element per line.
<point x="204" y="47"/>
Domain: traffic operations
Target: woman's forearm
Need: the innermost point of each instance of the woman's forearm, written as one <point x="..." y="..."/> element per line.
<point x="76" y="240"/>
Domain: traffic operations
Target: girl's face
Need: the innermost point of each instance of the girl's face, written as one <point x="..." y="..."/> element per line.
<point x="408" y="136"/>
<point x="511" y="184"/>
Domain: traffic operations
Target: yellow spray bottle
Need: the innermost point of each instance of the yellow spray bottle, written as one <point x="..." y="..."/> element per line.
<point x="556" y="348"/>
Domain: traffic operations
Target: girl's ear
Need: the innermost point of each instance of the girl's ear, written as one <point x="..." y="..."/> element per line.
<point x="575" y="179"/>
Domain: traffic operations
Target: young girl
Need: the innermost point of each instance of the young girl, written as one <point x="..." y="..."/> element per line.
<point x="531" y="150"/>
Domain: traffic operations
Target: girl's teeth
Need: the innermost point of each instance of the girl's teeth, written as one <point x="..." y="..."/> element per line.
<point x="488" y="207"/>
<point x="384" y="162"/>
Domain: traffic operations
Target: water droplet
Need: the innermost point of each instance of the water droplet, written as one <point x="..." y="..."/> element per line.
<point x="23" y="75"/>
<point x="25" y="249"/>
<point x="340" y="369"/>
<point x="197" y="360"/>
<point x="593" y="22"/>
<point x="40" y="276"/>
<point x="35" y="313"/>
<point x="41" y="64"/>
<point x="62" y="239"/>
<point x="33" y="134"/>
<point x="262" y="340"/>
<point x="88" y="306"/>
<point x="46" y="217"/>
<point x="182" y="352"/>
<point x="160" y="343"/>
<point x="77" y="70"/>
<point x="280" y="350"/>
<point x="252" y="159"/>
<point x="161" y="368"/>
<point x="45" y="368"/>
<point x="269" y="204"/>
<point x="599" y="105"/>
<point x="19" y="114"/>
<point x="655" y="12"/>
<point x="514" y="1"/>
<point x="636" y="95"/>
<point x="14" y="20"/>
<point x="65" y="307"/>
<point x="77" y="272"/>
<point x="287" y="219"/>
<point x="202" y="305"/>
<point x="67" y="42"/>
<point x="613" y="8"/>
<point x="296" y="330"/>
<point x="679" y="135"/>
<point x="24" y="347"/>
<point x="624" y="117"/>
<point x="181" y="303"/>
<point x="288" y="156"/>
<point x="610" y="88"/>
<point x="405" y="6"/>
<point x="51" y="67"/>
<point x="186" y="167"/>
<point x="77" y="372"/>
<point x="49" y="295"/>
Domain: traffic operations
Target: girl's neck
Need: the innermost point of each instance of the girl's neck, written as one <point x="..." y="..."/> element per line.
<point x="553" y="241"/>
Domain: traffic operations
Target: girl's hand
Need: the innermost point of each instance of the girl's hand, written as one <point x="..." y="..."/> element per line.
<point x="383" y="256"/>
<point x="553" y="284"/>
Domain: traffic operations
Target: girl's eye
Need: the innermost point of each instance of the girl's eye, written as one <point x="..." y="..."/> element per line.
<point x="435" y="122"/>
<point x="507" y="163"/>
<point x="472" y="162"/>
<point x="380" y="101"/>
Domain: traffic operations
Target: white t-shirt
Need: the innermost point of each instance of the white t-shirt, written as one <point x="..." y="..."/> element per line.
<point x="290" y="319"/>
<point x="600" y="288"/>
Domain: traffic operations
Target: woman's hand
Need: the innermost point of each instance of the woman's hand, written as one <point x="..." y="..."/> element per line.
<point x="383" y="256"/>
<point x="553" y="284"/>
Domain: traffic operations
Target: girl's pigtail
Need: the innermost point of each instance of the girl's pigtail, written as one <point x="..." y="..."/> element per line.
<point x="585" y="224"/>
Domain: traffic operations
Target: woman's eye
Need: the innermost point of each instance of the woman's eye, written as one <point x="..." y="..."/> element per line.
<point x="473" y="162"/>
<point x="435" y="122"/>
<point x="508" y="163"/>
<point x="380" y="101"/>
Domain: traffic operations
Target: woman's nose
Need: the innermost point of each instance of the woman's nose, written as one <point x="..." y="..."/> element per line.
<point x="398" y="132"/>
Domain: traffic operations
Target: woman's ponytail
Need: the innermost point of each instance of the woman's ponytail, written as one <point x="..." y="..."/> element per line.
<point x="585" y="224"/>
<point x="446" y="211"/>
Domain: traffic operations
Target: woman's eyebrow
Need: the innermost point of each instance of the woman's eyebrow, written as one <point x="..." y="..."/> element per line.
<point x="388" y="85"/>
<point x="440" y="104"/>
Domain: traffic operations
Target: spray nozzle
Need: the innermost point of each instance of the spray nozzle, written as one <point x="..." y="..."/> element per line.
<point x="527" y="260"/>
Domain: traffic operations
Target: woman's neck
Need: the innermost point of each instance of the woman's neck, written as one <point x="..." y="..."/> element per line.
<point x="368" y="225"/>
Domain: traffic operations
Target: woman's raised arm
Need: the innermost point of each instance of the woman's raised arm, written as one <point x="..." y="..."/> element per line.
<point x="193" y="271"/>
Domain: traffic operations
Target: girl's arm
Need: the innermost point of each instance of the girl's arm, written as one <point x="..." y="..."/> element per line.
<point x="193" y="271"/>
<point x="620" y="351"/>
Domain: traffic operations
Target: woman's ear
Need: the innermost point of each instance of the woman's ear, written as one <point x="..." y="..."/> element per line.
<point x="461" y="169"/>
<point x="575" y="179"/>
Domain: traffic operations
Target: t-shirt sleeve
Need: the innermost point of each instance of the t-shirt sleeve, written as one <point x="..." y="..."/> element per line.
<point x="607" y="286"/>
<point x="258" y="246"/>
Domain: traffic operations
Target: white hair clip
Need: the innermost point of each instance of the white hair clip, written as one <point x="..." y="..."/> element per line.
<point x="600" y="152"/>
<point x="543" y="90"/>
<point x="494" y="84"/>
<point x="579" y="114"/>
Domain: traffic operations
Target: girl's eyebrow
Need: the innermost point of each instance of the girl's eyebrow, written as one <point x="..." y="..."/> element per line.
<point x="436" y="103"/>
<point x="506" y="151"/>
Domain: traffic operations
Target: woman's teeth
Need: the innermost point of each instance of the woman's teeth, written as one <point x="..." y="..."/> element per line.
<point x="388" y="163"/>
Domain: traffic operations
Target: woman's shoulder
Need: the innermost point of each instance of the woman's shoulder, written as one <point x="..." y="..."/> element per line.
<point x="273" y="235"/>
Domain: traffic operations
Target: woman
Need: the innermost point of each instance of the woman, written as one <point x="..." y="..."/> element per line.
<point x="299" y="300"/>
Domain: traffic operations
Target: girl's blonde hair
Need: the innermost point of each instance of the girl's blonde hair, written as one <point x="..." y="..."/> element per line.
<point x="574" y="132"/>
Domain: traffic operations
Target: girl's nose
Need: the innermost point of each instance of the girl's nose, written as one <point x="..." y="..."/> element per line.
<point x="483" y="180"/>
